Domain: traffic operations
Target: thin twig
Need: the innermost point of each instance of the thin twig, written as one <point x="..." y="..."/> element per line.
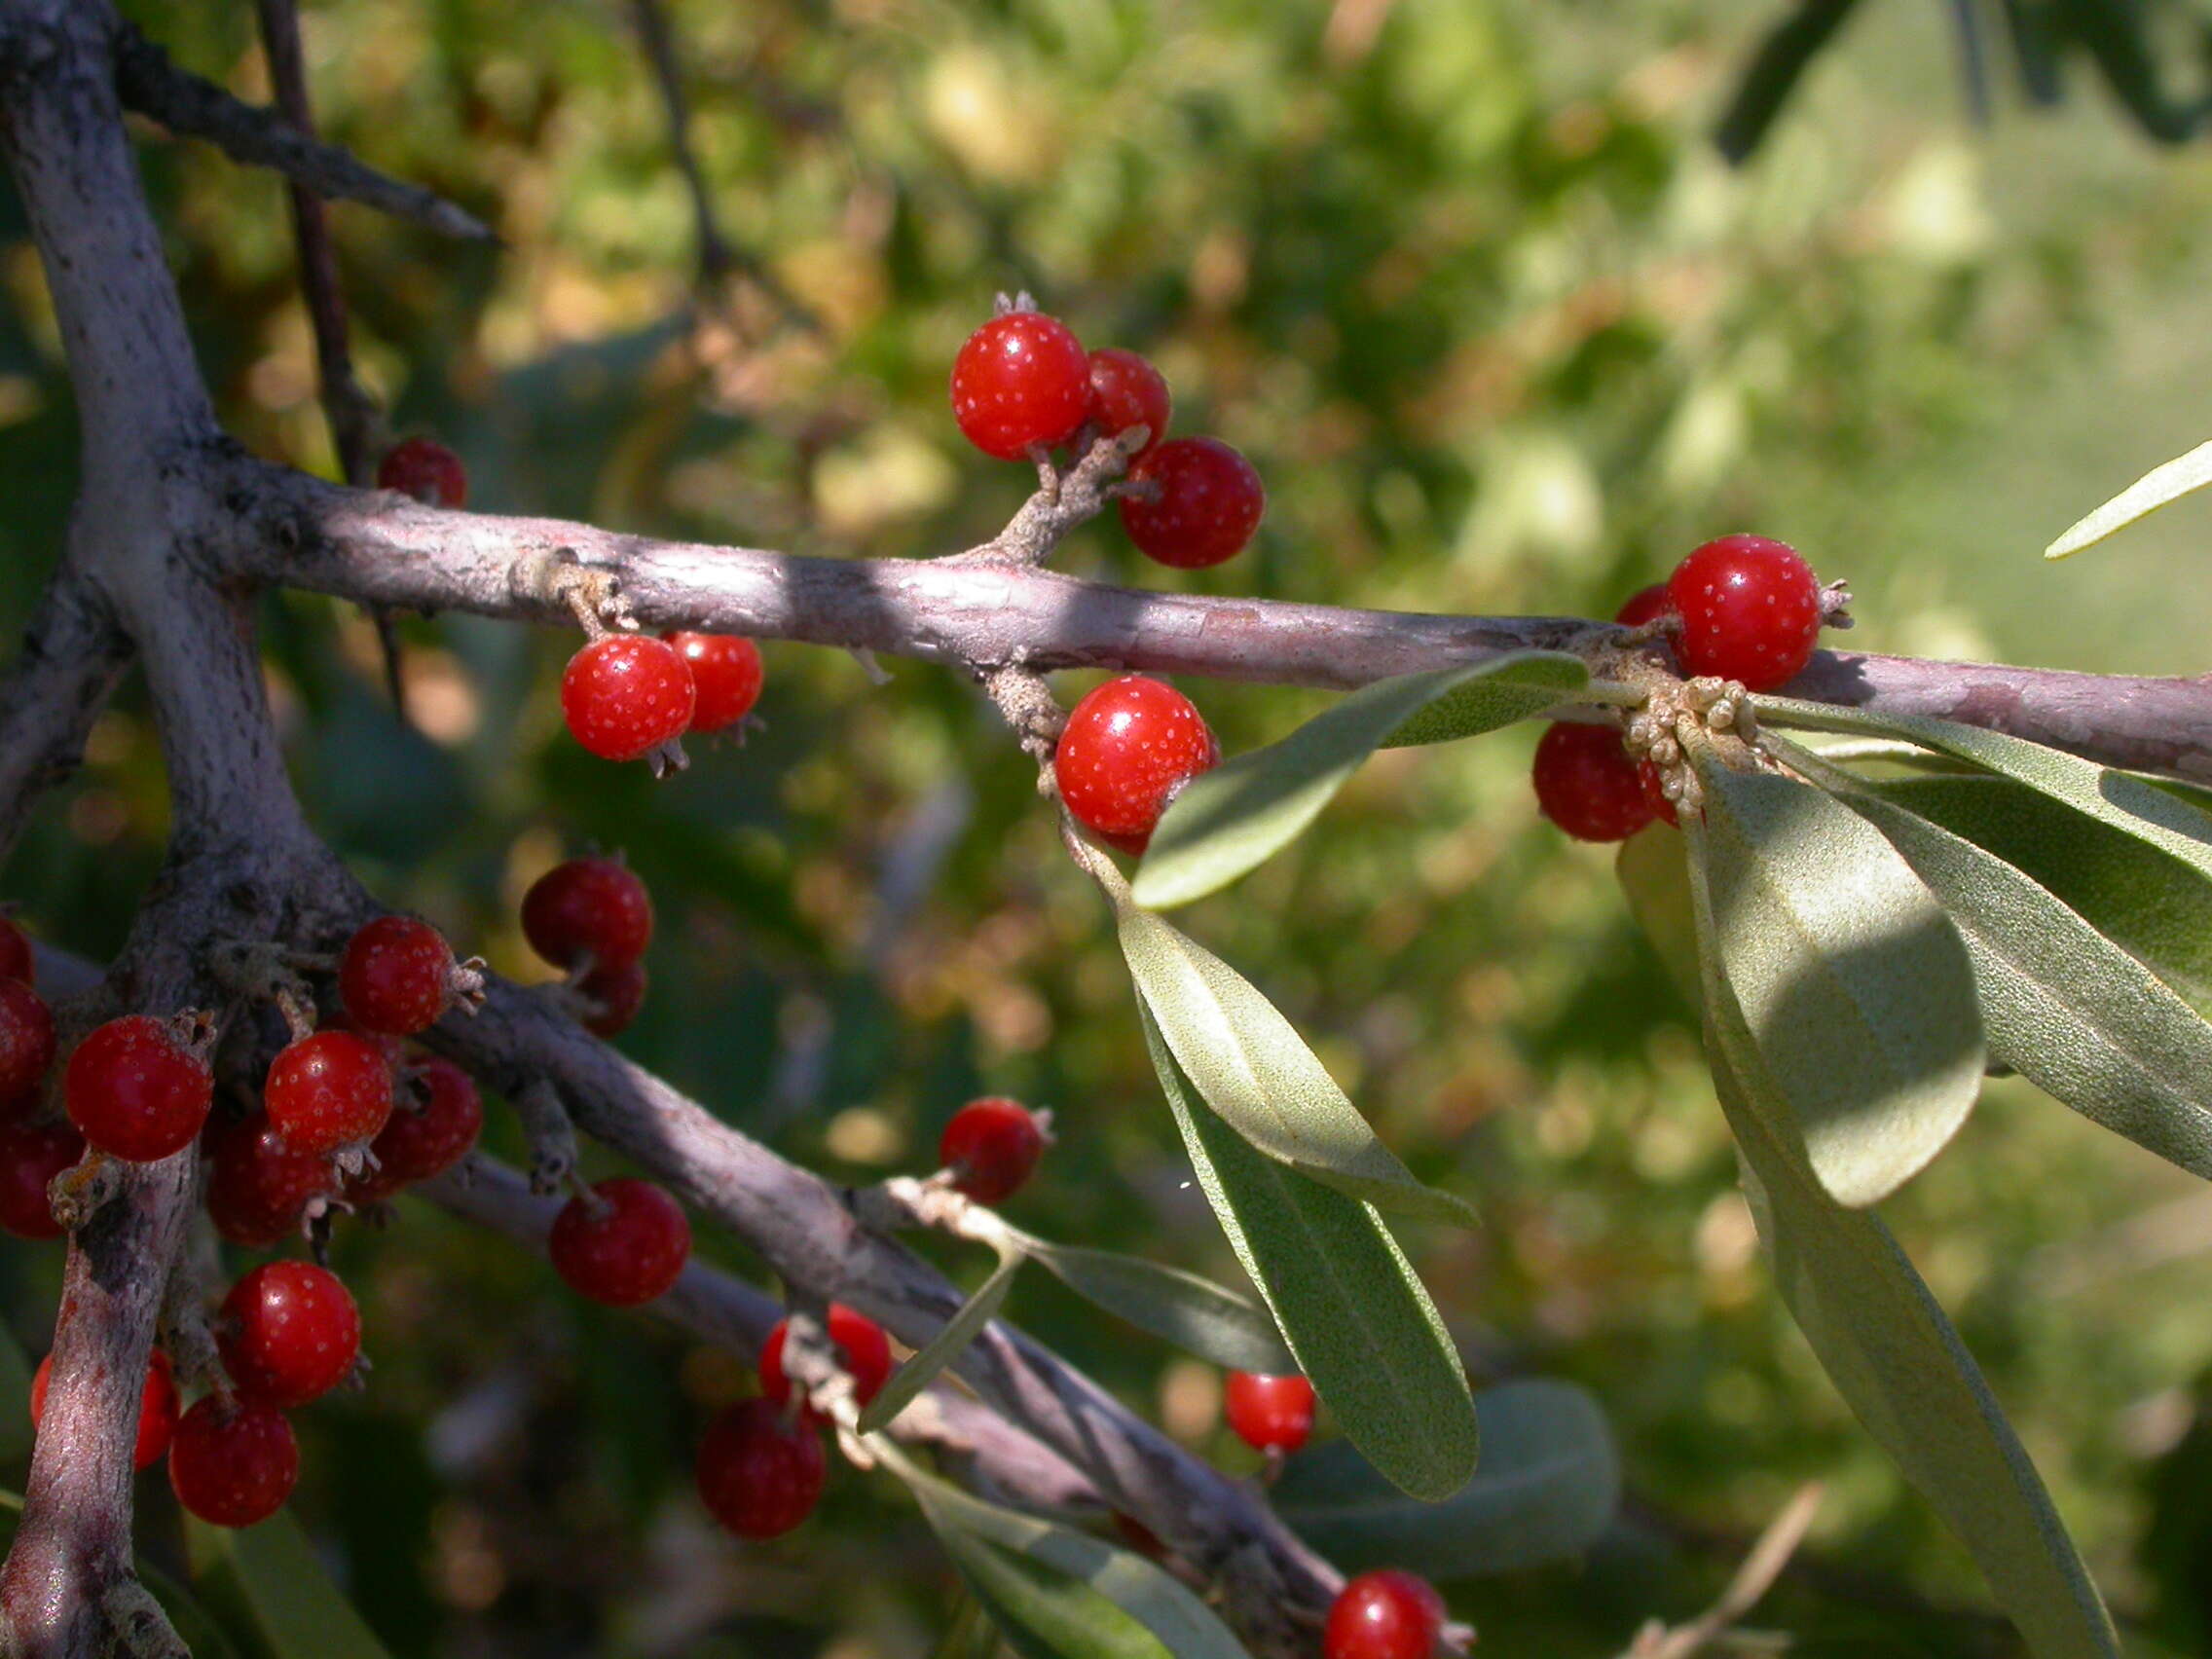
<point x="1752" y="1580"/>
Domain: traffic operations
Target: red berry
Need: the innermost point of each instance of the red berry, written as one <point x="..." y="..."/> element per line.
<point x="17" y="961"/>
<point x="395" y="976"/>
<point x="1384" y="1616"/>
<point x="725" y="668"/>
<point x="232" y="1464"/>
<point x="1128" y="748"/>
<point x="622" y="1243"/>
<point x="428" y="470"/>
<point x="863" y="1348"/>
<point x="157" y="1407"/>
<point x="1269" y="1413"/>
<point x="328" y="1090"/>
<point x="991" y="1145"/>
<point x="290" y="1333"/>
<point x="434" y="1123"/>
<point x="1587" y="785"/>
<point x="1209" y="503"/>
<point x="27" y="1039"/>
<point x="32" y="1156"/>
<point x="1646" y="605"/>
<point x="1648" y="780"/>
<point x="1021" y="379"/>
<point x="1138" y="1537"/>
<point x="594" y="906"/>
<point x="625" y="695"/>
<point x="1126" y="391"/>
<point x="135" y="1092"/>
<point x="615" y="994"/>
<point x="760" y="1475"/>
<point x="1751" y="610"/>
<point x="257" y="1185"/>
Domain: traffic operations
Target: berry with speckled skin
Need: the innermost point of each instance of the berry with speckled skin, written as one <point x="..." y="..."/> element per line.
<point x="1209" y="502"/>
<point x="991" y="1145"/>
<point x="622" y="1243"/>
<point x="625" y="695"/>
<point x="1128" y="748"/>
<point x="17" y="961"/>
<point x="288" y="1332"/>
<point x="232" y="1464"/>
<point x="863" y="1347"/>
<point x="428" y="470"/>
<point x="1384" y="1616"/>
<point x="760" y="1475"/>
<point x="1587" y="785"/>
<point x="258" y="1185"/>
<point x="726" y="669"/>
<point x="1269" y="1413"/>
<point x="1021" y="380"/>
<point x="1646" y="605"/>
<point x="32" y="1156"/>
<point x="588" y="906"/>
<point x="27" y="1039"/>
<point x="1750" y="611"/>
<point x="157" y="1407"/>
<point x="135" y="1091"/>
<point x="326" y="1090"/>
<point x="395" y="976"/>
<point x="1126" y="391"/>
<point x="435" y="1118"/>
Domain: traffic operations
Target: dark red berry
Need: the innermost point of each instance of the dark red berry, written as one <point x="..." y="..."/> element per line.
<point x="1128" y="748"/>
<point x="32" y="1156"/>
<point x="428" y="470"/>
<point x="615" y="995"/>
<point x="760" y="1475"/>
<point x="1587" y="785"/>
<point x="157" y="1407"/>
<point x="1269" y="1413"/>
<point x="1209" y="505"/>
<point x="17" y="961"/>
<point x="290" y="1333"/>
<point x="860" y="1341"/>
<point x="726" y="669"/>
<point x="1126" y="391"/>
<point x="622" y="1243"/>
<point x="435" y="1118"/>
<point x="395" y="976"/>
<point x="1138" y="1537"/>
<point x="625" y="695"/>
<point x="258" y="1185"/>
<point x="1384" y="1616"/>
<point x="27" y="1039"/>
<point x="135" y="1091"/>
<point x="1647" y="779"/>
<point x="991" y="1145"/>
<point x="588" y="906"/>
<point x="1646" y="605"/>
<point x="328" y="1090"/>
<point x="232" y="1464"/>
<point x="1021" y="379"/>
<point x="1751" y="610"/>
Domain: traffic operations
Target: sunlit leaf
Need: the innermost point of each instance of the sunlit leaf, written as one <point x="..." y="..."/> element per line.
<point x="2160" y="487"/>
<point x="1654" y="874"/>
<point x="1194" y="1313"/>
<point x="943" y="1350"/>
<point x="266" y="1583"/>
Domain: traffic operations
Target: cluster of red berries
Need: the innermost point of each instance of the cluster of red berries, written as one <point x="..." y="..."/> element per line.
<point x="625" y="695"/>
<point x="1024" y="385"/>
<point x="1743" y="608"/>
<point x="1128" y="749"/>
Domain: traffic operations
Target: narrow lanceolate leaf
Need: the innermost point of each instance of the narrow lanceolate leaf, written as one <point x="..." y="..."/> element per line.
<point x="1654" y="873"/>
<point x="1856" y="986"/>
<point x="1042" y="1614"/>
<point x="2160" y="487"/>
<point x="943" y="1350"/>
<point x="1357" y="1320"/>
<point x="1195" y="1314"/>
<point x="266" y="1582"/>
<point x="1549" y="1486"/>
<point x="2064" y="1006"/>
<point x="1230" y="819"/>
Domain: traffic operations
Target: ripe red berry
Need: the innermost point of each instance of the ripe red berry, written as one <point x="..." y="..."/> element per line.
<point x="622" y="1243"/>
<point x="232" y="1464"/>
<point x="135" y="1091"/>
<point x="157" y="1407"/>
<point x="27" y="1039"/>
<point x="1126" y="750"/>
<point x="17" y="961"/>
<point x="258" y="1185"/>
<point x="435" y="1120"/>
<point x="1384" y="1616"/>
<point x="1646" y="605"/>
<point x="1126" y="391"/>
<point x="1269" y="1413"/>
<point x="428" y="470"/>
<point x="615" y="995"/>
<point x="725" y="668"/>
<point x="395" y="976"/>
<point x="288" y="1332"/>
<point x="991" y="1145"/>
<point x="328" y="1090"/>
<point x="1654" y="793"/>
<point x="760" y="1475"/>
<point x="1209" y="505"/>
<point x="862" y="1346"/>
<point x="588" y="906"/>
<point x="1021" y="379"/>
<point x="1587" y="785"/>
<point x="625" y="695"/>
<point x="32" y="1156"/>
<point x="1751" y="610"/>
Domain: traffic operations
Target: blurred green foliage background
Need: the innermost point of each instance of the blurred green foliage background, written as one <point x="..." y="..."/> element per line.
<point x="1503" y="334"/>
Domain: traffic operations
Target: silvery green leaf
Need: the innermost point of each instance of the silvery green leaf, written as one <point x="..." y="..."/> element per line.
<point x="943" y="1350"/>
<point x="2160" y="487"/>
<point x="1654" y="874"/>
<point x="1194" y="1313"/>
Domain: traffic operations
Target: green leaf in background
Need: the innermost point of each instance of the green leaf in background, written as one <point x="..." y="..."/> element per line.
<point x="1653" y="868"/>
<point x="1195" y="1314"/>
<point x="1856" y="986"/>
<point x="1548" y="1487"/>
<point x="943" y="1349"/>
<point x="1357" y="1319"/>
<point x="1226" y="821"/>
<point x="1042" y="1614"/>
<point x="270" y="1591"/>
<point x="2160" y="487"/>
<point x="971" y="1634"/>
